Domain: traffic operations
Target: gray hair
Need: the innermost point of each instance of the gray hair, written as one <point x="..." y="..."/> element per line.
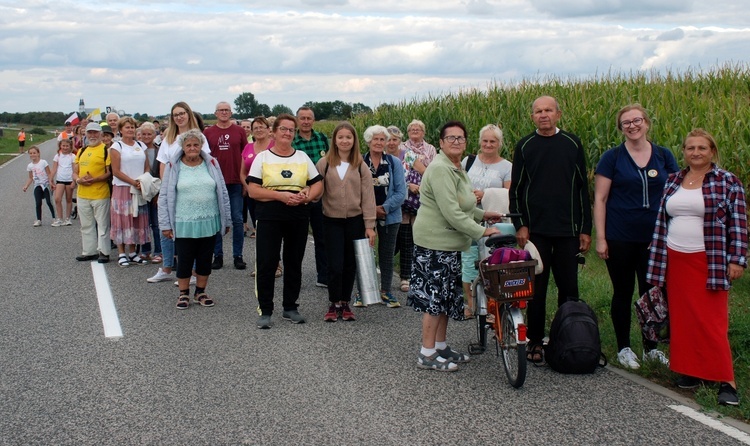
<point x="395" y="132"/>
<point x="191" y="134"/>
<point x="495" y="130"/>
<point x="375" y="130"/>
<point x="148" y="126"/>
<point x="416" y="123"/>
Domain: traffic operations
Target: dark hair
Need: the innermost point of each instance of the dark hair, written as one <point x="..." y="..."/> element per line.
<point x="260" y="119"/>
<point x="199" y="121"/>
<point x="304" y="107"/>
<point x="283" y="117"/>
<point x="450" y="124"/>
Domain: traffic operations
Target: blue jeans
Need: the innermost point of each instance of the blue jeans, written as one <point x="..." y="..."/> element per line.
<point x="153" y="220"/>
<point x="238" y="230"/>
<point x="167" y="252"/>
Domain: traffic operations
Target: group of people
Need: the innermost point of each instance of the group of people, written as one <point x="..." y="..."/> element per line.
<point x="684" y="230"/>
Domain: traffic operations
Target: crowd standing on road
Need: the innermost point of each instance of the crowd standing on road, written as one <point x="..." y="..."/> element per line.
<point x="682" y="230"/>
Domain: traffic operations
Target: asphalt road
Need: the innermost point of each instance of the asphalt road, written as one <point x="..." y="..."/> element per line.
<point x="209" y="376"/>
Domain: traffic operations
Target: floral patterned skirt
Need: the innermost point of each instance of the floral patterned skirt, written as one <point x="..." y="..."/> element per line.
<point x="435" y="283"/>
<point x="124" y="227"/>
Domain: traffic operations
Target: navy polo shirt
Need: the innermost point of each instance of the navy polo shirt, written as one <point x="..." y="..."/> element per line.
<point x="635" y="193"/>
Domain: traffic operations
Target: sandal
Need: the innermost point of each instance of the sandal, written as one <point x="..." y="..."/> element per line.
<point x="433" y="363"/>
<point x="252" y="235"/>
<point x="183" y="302"/>
<point x="453" y="356"/>
<point x="535" y="354"/>
<point x="157" y="259"/>
<point x="123" y="260"/>
<point x="203" y="300"/>
<point x="279" y="272"/>
<point x="468" y="313"/>
<point x="404" y="285"/>
<point x="135" y="259"/>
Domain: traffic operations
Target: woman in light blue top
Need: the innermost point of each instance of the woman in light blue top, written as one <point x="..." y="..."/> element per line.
<point x="193" y="207"/>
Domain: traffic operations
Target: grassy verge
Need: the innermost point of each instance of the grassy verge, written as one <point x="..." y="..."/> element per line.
<point x="9" y="142"/>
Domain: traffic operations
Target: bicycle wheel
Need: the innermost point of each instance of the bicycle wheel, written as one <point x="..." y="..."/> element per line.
<point x="513" y="353"/>
<point x="481" y="319"/>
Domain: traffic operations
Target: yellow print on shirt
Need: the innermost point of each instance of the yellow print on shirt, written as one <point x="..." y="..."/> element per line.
<point x="290" y="177"/>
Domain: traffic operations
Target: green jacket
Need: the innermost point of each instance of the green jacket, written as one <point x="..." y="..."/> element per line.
<point x="448" y="216"/>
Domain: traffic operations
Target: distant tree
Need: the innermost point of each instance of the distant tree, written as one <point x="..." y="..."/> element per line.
<point x="278" y="109"/>
<point x="360" y="108"/>
<point x="262" y="110"/>
<point x="245" y="105"/>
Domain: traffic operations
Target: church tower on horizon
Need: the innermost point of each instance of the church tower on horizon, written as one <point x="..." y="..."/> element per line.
<point x="81" y="107"/>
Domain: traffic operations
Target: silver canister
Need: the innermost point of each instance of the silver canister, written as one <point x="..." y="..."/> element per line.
<point x="367" y="274"/>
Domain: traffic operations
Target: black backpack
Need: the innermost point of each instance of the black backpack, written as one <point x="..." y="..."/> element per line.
<point x="574" y="345"/>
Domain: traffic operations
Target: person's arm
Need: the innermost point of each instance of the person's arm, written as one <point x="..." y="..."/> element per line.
<point x="602" y="186"/>
<point x="243" y="179"/>
<point x="397" y="196"/>
<point x="516" y="196"/>
<point x="29" y="181"/>
<point x="737" y="231"/>
<point x="442" y="187"/>
<point x="367" y="198"/>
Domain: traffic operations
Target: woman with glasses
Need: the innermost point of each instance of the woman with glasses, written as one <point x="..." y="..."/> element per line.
<point x="447" y="221"/>
<point x="418" y="154"/>
<point x="628" y="185"/>
<point x="283" y="181"/>
<point x="261" y="140"/>
<point x="181" y="119"/>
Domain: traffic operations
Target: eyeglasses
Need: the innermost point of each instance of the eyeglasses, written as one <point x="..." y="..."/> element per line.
<point x="178" y="115"/>
<point x="636" y="122"/>
<point x="255" y="129"/>
<point x="455" y="139"/>
<point x="223" y="110"/>
<point x="415" y="130"/>
<point x="286" y="129"/>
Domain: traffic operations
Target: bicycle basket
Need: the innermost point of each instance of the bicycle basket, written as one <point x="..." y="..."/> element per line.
<point x="506" y="282"/>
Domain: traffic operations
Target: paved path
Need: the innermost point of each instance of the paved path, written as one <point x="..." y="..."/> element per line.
<point x="209" y="376"/>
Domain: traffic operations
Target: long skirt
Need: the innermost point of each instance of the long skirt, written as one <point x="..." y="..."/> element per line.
<point x="125" y="228"/>
<point x="698" y="320"/>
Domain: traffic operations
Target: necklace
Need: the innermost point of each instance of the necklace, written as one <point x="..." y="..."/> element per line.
<point x="696" y="180"/>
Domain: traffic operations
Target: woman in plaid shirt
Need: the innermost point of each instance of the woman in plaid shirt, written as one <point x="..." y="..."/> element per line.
<point x="699" y="247"/>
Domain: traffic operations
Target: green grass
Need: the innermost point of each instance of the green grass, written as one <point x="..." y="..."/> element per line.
<point x="9" y="142"/>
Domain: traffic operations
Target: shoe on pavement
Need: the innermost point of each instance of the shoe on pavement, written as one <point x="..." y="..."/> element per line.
<point x="67" y="222"/>
<point x="264" y="322"/>
<point x="218" y="262"/>
<point x="56" y="223"/>
<point x="404" y="285"/>
<point x="346" y="313"/>
<point x="453" y="356"/>
<point x="160" y="276"/>
<point x="332" y="315"/>
<point x="358" y="301"/>
<point x="628" y="359"/>
<point x="656" y="356"/>
<point x="436" y="362"/>
<point x="193" y="281"/>
<point x="102" y="258"/>
<point x="728" y="395"/>
<point x="37" y="223"/>
<point x="238" y="263"/>
<point x="390" y="300"/>
<point x="84" y="258"/>
<point x="688" y="382"/>
<point x="293" y="316"/>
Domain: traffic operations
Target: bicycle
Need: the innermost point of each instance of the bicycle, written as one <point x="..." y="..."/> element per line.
<point x="503" y="291"/>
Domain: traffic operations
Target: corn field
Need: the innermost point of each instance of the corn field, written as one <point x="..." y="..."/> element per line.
<point x="716" y="99"/>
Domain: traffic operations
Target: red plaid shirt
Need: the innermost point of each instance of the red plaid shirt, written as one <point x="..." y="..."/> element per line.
<point x="724" y="228"/>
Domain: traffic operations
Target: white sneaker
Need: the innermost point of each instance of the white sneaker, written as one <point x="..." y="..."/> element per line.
<point x="67" y="222"/>
<point x="656" y="355"/>
<point x="160" y="276"/>
<point x="37" y="223"/>
<point x="193" y="281"/>
<point x="628" y="358"/>
<point x="56" y="223"/>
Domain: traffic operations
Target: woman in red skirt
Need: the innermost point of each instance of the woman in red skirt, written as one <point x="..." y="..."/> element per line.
<point x="699" y="247"/>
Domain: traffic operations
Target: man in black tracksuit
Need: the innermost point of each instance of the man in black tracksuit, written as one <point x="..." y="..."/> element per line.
<point x="549" y="188"/>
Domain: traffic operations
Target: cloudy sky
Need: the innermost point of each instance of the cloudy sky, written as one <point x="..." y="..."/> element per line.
<point x="144" y="55"/>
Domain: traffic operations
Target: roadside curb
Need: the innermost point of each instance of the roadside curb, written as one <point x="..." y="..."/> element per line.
<point x="661" y="390"/>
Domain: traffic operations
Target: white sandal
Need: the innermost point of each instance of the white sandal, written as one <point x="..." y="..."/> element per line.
<point x="404" y="286"/>
<point x="123" y="260"/>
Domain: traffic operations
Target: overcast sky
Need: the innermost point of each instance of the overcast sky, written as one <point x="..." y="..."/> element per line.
<point x="145" y="55"/>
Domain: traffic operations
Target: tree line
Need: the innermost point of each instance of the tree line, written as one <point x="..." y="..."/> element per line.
<point x="247" y="106"/>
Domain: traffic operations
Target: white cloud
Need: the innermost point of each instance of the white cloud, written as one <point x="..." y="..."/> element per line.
<point x="142" y="56"/>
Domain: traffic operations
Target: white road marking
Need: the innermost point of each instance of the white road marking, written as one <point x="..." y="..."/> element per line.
<point x="106" y="304"/>
<point x="712" y="423"/>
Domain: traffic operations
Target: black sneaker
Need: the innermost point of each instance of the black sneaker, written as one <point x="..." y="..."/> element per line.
<point x="728" y="395"/>
<point x="238" y="263"/>
<point x="83" y="258"/>
<point x="103" y="258"/>
<point x="687" y="382"/>
<point x="218" y="262"/>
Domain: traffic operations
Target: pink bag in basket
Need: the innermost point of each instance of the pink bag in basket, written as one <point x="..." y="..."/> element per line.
<point x="508" y="255"/>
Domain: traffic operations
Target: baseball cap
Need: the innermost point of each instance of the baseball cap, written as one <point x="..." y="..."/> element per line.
<point x="107" y="129"/>
<point x="93" y="127"/>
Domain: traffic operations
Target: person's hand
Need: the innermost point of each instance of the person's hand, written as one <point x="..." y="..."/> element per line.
<point x="167" y="233"/>
<point x="492" y="217"/>
<point x="370" y="234"/>
<point x="24" y="188"/>
<point x="380" y="213"/>
<point x="602" y="250"/>
<point x="479" y="194"/>
<point x="584" y="243"/>
<point x="414" y="188"/>
<point x="522" y="236"/>
<point x="137" y="185"/>
<point x="735" y="271"/>
<point x="288" y="198"/>
<point x="490" y="231"/>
